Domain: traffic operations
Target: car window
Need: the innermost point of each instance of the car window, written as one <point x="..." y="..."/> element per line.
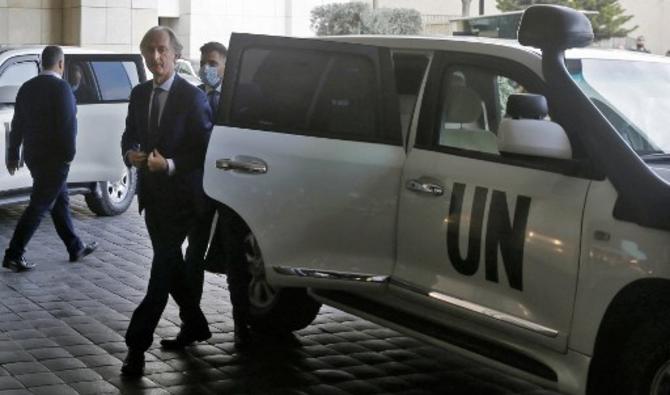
<point x="409" y="70"/>
<point x="18" y="73"/>
<point x="113" y="80"/>
<point x="317" y="93"/>
<point x="80" y="77"/>
<point x="473" y="101"/>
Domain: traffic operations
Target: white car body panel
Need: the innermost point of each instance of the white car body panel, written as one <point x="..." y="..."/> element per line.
<point x="323" y="204"/>
<point x="97" y="156"/>
<point x="550" y="251"/>
<point x="632" y="253"/>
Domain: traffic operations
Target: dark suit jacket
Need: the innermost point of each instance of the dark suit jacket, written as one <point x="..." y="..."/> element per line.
<point x="45" y="122"/>
<point x="184" y="130"/>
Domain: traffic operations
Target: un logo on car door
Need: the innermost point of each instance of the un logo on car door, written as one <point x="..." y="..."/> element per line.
<point x="500" y="234"/>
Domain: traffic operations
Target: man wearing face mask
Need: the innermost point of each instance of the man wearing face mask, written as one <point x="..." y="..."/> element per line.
<point x="212" y="66"/>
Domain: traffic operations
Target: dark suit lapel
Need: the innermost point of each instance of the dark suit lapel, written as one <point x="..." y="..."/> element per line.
<point x="171" y="108"/>
<point x="143" y="107"/>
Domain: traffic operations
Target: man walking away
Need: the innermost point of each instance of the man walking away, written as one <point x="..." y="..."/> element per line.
<point x="45" y="123"/>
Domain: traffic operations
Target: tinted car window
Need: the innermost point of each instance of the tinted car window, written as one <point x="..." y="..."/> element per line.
<point x="18" y="73"/>
<point x="113" y="80"/>
<point x="307" y="92"/>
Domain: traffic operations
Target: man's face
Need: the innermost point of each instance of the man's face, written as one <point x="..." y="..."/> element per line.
<point x="214" y="59"/>
<point x="76" y="76"/>
<point x="159" y="56"/>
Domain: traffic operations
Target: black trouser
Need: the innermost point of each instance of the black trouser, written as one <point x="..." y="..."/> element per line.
<point x="168" y="229"/>
<point x="237" y="268"/>
<point x="197" y="247"/>
<point x="49" y="194"/>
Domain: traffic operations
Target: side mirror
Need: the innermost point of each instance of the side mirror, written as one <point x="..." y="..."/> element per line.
<point x="8" y="94"/>
<point x="533" y="137"/>
<point x="554" y="27"/>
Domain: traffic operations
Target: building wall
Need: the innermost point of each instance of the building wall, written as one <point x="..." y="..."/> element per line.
<point x="118" y="25"/>
<point x="653" y="20"/>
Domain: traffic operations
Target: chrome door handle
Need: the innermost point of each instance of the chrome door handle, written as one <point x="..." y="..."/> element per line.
<point x="422" y="186"/>
<point x="243" y="164"/>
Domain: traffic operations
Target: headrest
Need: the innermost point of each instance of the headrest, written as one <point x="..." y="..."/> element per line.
<point x="527" y="106"/>
<point x="462" y="105"/>
<point x="554" y="27"/>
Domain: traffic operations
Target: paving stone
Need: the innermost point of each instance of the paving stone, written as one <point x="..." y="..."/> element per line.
<point x="94" y="387"/>
<point x="38" y="379"/>
<point x="79" y="375"/>
<point x="49" y="353"/>
<point x="58" y="389"/>
<point x="10" y="383"/>
<point x="63" y="364"/>
<point x="19" y="368"/>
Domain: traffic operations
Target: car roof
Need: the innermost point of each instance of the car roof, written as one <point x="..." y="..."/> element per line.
<point x="7" y="51"/>
<point x="510" y="49"/>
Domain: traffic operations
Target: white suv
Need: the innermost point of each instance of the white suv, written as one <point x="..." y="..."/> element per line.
<point x="508" y="203"/>
<point x="102" y="84"/>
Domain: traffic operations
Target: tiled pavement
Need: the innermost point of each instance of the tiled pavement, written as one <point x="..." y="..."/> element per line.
<point x="62" y="326"/>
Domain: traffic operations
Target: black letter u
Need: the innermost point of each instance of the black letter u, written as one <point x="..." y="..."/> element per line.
<point x="470" y="264"/>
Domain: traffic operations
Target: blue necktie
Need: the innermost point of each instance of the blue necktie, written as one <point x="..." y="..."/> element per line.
<point x="153" y="119"/>
<point x="213" y="99"/>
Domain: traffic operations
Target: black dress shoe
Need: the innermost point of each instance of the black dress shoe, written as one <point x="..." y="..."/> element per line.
<point x="85" y="250"/>
<point x="133" y="365"/>
<point x="17" y="265"/>
<point x="184" y="339"/>
<point x="242" y="338"/>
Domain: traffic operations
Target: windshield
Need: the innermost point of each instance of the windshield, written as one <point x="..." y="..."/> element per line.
<point x="633" y="95"/>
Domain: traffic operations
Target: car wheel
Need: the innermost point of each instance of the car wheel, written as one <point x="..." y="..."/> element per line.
<point x="113" y="197"/>
<point x="275" y="310"/>
<point x="644" y="364"/>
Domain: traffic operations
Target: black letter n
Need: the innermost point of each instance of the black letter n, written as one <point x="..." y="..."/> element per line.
<point x="510" y="238"/>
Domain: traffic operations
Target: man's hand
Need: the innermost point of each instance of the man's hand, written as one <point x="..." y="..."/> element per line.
<point x="137" y="158"/>
<point x="12" y="167"/>
<point x="156" y="162"/>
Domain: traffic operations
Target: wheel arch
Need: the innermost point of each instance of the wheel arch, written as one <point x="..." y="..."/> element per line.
<point x="633" y="304"/>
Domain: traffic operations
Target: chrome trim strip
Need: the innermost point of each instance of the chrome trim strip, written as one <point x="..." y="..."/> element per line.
<point x="484" y="311"/>
<point x="330" y="275"/>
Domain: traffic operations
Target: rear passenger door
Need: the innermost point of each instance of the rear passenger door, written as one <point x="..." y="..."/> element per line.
<point x="312" y="131"/>
<point x="101" y="85"/>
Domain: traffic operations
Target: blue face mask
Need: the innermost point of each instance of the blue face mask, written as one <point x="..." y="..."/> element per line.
<point x="210" y="76"/>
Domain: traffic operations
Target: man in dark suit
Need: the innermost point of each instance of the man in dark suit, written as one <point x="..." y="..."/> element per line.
<point x="212" y="67"/>
<point x="45" y="123"/>
<point x="167" y="131"/>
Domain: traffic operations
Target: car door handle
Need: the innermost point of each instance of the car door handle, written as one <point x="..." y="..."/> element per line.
<point x="423" y="186"/>
<point x="243" y="164"/>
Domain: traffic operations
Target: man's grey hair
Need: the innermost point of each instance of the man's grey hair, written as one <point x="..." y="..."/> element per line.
<point x="174" y="41"/>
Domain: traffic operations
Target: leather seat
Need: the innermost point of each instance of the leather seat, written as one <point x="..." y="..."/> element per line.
<point x="461" y="122"/>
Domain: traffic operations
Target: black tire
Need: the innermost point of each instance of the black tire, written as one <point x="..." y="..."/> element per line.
<point x="643" y="367"/>
<point x="274" y="310"/>
<point x="110" y="198"/>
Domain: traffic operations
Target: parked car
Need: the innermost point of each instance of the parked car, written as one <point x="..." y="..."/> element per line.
<point x="101" y="83"/>
<point x="506" y="202"/>
<point x="185" y="70"/>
